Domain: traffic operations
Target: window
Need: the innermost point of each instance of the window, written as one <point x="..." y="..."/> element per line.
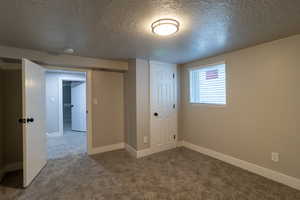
<point x="208" y="85"/>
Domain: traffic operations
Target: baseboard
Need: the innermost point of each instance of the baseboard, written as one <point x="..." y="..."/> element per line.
<point x="265" y="172"/>
<point x="10" y="168"/>
<point x="107" y="148"/>
<point x="144" y="152"/>
<point x="138" y="154"/>
<point x="1" y="174"/>
<point x="132" y="151"/>
<point x="179" y="143"/>
<point x="54" y="134"/>
<point x="13" y="167"/>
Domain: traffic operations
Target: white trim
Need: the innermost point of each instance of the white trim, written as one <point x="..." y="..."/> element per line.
<point x="138" y="154"/>
<point x="179" y="143"/>
<point x="53" y="134"/>
<point x="132" y="151"/>
<point x="60" y="99"/>
<point x="268" y="173"/>
<point x="107" y="148"/>
<point x="144" y="152"/>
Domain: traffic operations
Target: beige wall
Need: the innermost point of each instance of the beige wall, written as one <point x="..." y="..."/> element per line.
<point x="130" y="105"/>
<point x="262" y="114"/>
<point x="12" y="112"/>
<point x="137" y="104"/>
<point x="108" y="114"/>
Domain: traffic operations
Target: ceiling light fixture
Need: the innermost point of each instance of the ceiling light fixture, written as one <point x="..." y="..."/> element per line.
<point x="164" y="27"/>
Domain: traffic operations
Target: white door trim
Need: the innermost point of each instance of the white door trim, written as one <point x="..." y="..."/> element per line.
<point x="60" y="100"/>
<point x="152" y="149"/>
<point x="88" y="102"/>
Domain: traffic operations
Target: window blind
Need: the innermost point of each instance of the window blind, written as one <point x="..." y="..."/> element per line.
<point x="208" y="85"/>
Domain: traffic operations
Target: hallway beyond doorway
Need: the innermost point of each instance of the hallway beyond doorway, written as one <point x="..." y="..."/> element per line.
<point x="72" y="142"/>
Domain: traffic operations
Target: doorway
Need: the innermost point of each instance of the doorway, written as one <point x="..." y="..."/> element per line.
<point x="66" y="113"/>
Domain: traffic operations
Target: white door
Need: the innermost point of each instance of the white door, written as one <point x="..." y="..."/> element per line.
<point x="163" y="106"/>
<point x="34" y="129"/>
<point x="78" y="101"/>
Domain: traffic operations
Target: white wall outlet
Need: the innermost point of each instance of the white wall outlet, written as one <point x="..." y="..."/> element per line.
<point x="275" y="157"/>
<point x="145" y="139"/>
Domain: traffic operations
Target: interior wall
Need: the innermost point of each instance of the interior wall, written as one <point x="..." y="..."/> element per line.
<point x="13" y="142"/>
<point x="1" y="125"/>
<point x="262" y="113"/>
<point x="52" y="97"/>
<point x="108" y="108"/>
<point x="138" y="103"/>
<point x="143" y="103"/>
<point x="130" y="105"/>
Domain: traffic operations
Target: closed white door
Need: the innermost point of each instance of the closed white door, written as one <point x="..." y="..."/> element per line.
<point x="34" y="129"/>
<point x="163" y="106"/>
<point x="78" y="101"/>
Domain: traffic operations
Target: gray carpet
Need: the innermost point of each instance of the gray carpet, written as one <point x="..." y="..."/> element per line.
<point x="71" y="143"/>
<point x="178" y="174"/>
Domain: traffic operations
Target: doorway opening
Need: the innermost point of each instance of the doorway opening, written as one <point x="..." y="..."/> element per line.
<point x="66" y="113"/>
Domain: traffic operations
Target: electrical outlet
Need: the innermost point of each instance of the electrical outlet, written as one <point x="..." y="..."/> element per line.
<point x="145" y="139"/>
<point x="275" y="157"/>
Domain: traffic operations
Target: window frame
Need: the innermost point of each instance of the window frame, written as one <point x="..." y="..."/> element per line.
<point x="201" y="66"/>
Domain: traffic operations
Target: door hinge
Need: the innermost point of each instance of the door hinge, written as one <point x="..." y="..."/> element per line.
<point x="173" y="75"/>
<point x="174" y="136"/>
<point x="174" y="106"/>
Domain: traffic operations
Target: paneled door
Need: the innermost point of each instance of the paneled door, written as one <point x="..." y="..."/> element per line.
<point x="163" y="100"/>
<point x="78" y="100"/>
<point x="33" y="120"/>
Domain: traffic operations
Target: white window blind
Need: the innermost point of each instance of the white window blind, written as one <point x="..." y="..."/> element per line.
<point x="208" y="85"/>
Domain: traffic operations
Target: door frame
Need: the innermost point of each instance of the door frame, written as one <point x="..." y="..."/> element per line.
<point x="153" y="149"/>
<point x="89" y="118"/>
<point x="60" y="101"/>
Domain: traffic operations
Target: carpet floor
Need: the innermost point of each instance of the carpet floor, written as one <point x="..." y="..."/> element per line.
<point x="71" y="143"/>
<point x="178" y="174"/>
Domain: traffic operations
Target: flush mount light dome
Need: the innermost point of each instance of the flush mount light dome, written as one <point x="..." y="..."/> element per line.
<point x="164" y="27"/>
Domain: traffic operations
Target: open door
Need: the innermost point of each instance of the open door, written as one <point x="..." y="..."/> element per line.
<point x="34" y="130"/>
<point x="78" y="101"/>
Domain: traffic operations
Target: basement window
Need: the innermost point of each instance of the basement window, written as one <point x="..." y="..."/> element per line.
<point x="208" y="84"/>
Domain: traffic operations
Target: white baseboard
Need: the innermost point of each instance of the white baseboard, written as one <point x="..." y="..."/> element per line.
<point x="138" y="154"/>
<point x="144" y="152"/>
<point x="54" y="134"/>
<point x="107" y="148"/>
<point x="132" y="151"/>
<point x="268" y="173"/>
<point x="179" y="143"/>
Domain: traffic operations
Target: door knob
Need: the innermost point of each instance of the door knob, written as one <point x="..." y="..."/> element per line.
<point x="156" y="114"/>
<point x="30" y="120"/>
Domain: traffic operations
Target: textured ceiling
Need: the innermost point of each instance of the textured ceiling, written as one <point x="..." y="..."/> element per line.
<point x="120" y="29"/>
